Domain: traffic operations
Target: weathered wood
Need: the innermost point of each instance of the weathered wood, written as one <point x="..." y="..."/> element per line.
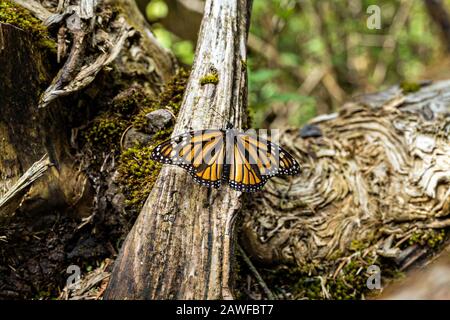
<point x="374" y="174"/>
<point x="50" y="209"/>
<point x="181" y="244"/>
<point x="82" y="66"/>
<point x="29" y="133"/>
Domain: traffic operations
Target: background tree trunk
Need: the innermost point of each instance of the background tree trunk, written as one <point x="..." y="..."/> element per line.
<point x="182" y="243"/>
<point x="29" y="133"/>
<point x="439" y="14"/>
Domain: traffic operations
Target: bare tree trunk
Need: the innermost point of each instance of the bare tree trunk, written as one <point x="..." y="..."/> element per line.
<point x="182" y="243"/>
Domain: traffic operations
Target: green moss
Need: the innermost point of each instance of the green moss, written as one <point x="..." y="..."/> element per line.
<point x="351" y="282"/>
<point x="304" y="282"/>
<point x="357" y="245"/>
<point x="15" y="15"/>
<point x="172" y="95"/>
<point x="409" y="87"/>
<point x="301" y="282"/>
<point x="430" y="238"/>
<point x="47" y="44"/>
<point x="243" y="64"/>
<point x="212" y="77"/>
<point x="137" y="172"/>
<point x="43" y="295"/>
<point x="140" y="121"/>
<point x="106" y="132"/>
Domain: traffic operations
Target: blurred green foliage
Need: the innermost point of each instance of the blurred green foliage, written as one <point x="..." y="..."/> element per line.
<point x="183" y="49"/>
<point x="156" y="9"/>
<point x="292" y="40"/>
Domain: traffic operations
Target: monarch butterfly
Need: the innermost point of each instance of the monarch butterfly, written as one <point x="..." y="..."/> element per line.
<point x="246" y="161"/>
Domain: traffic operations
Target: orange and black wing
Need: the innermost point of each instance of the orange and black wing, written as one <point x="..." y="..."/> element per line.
<point x="271" y="159"/>
<point x="201" y="153"/>
<point x="254" y="160"/>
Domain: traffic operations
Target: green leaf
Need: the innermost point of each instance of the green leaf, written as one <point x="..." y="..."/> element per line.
<point x="156" y="9"/>
<point x="184" y="50"/>
<point x="304" y="112"/>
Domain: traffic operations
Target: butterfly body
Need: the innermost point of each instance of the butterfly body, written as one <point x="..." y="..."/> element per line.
<point x="215" y="156"/>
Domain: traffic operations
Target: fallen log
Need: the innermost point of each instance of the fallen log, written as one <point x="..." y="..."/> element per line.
<point x="374" y="190"/>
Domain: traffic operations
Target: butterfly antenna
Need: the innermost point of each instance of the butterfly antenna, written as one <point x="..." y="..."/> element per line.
<point x="229" y="124"/>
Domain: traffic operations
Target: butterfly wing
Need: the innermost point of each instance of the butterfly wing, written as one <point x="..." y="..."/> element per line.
<point x="271" y="159"/>
<point x="201" y="153"/>
<point x="254" y="160"/>
<point x="243" y="176"/>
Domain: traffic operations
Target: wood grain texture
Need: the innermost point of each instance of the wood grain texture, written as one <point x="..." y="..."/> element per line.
<point x="181" y="244"/>
<point x="375" y="175"/>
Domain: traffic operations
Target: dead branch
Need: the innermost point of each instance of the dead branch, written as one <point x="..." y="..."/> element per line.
<point x="36" y="171"/>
